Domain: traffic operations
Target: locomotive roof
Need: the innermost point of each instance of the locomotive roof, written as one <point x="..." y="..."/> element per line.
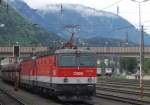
<point x="72" y="51"/>
<point x="45" y="53"/>
<point x="59" y="51"/>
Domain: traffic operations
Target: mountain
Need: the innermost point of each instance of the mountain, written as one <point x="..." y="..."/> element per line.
<point x="93" y="24"/>
<point x="15" y="28"/>
<point x="23" y="9"/>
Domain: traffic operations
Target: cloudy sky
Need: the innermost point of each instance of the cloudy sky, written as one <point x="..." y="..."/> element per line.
<point x="127" y="8"/>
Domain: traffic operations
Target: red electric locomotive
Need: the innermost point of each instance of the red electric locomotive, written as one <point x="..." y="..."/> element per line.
<point x="67" y="73"/>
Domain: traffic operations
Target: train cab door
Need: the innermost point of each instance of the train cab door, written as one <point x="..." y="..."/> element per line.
<point x="30" y="70"/>
<point x="52" y="67"/>
<point x="50" y="77"/>
<point x="34" y="75"/>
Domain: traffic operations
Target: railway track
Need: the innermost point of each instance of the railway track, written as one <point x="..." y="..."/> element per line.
<point x="8" y="99"/>
<point x="26" y="97"/>
<point x="128" y="81"/>
<point x="77" y="103"/>
<point x="128" y="84"/>
<point x="120" y="82"/>
<point x="123" y="99"/>
<point x="123" y="91"/>
<point x="131" y="87"/>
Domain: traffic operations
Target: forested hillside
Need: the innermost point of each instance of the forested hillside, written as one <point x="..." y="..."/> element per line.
<point x="15" y="28"/>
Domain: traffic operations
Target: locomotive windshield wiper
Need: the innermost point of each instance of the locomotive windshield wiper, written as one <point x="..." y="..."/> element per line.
<point x="82" y="64"/>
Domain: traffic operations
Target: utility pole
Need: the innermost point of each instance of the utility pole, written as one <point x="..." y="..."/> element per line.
<point x="142" y="59"/>
<point x="0" y="2"/>
<point x="126" y="40"/>
<point x="61" y="9"/>
<point x="141" y="44"/>
<point x="61" y="16"/>
<point x="117" y="10"/>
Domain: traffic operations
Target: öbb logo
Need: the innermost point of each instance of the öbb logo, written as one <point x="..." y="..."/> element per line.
<point x="77" y="73"/>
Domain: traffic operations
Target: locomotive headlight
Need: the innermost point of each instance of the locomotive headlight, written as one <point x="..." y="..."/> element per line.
<point x="66" y="80"/>
<point x="90" y="79"/>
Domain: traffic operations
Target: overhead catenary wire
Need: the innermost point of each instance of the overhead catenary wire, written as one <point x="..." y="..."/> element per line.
<point x="133" y="12"/>
<point x="115" y="3"/>
<point x="146" y="21"/>
<point x="122" y="12"/>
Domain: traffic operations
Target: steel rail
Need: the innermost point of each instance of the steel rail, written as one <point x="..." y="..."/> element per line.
<point x="122" y="99"/>
<point x="122" y="83"/>
<point x="123" y="91"/>
<point x="122" y="87"/>
<point x="130" y="86"/>
<point x="15" y="98"/>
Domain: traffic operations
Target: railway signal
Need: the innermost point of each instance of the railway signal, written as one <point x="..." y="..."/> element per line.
<point x="16" y="51"/>
<point x="16" y="54"/>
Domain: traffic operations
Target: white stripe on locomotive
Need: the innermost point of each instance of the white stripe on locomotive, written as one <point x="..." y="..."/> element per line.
<point x="60" y="80"/>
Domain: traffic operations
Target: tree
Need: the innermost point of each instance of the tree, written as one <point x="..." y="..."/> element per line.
<point x="128" y="64"/>
<point x="147" y="65"/>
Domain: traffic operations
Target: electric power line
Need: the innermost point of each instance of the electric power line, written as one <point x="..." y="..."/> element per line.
<point x="112" y="4"/>
<point x="147" y="21"/>
<point x="133" y="12"/>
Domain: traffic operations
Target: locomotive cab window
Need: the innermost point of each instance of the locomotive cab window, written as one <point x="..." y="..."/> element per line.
<point x="87" y="60"/>
<point x="77" y="60"/>
<point x="67" y="60"/>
